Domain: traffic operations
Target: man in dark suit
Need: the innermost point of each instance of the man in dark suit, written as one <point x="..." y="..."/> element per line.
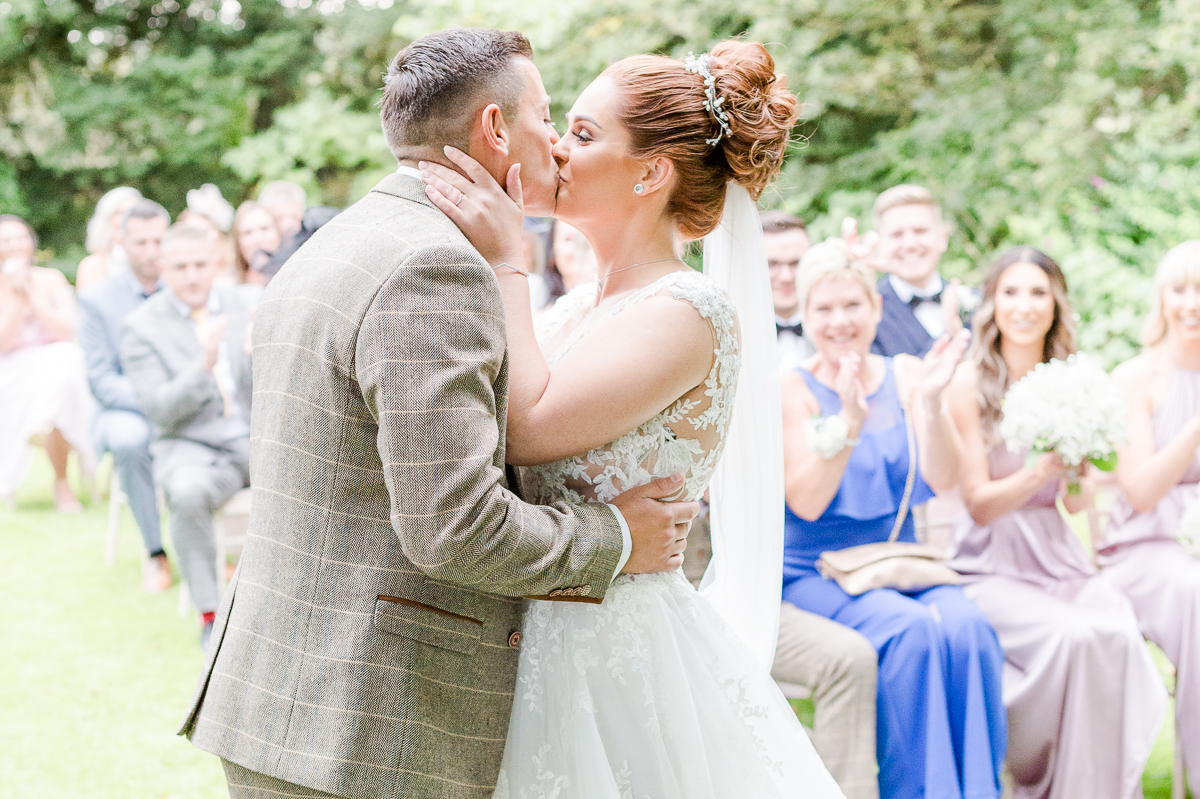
<point x="119" y="426"/>
<point x="918" y="305"/>
<point x="785" y="240"/>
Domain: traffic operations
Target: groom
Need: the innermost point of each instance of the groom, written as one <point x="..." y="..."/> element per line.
<point x="367" y="646"/>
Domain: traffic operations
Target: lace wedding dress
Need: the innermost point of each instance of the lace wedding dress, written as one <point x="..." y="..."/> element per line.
<point x="649" y="695"/>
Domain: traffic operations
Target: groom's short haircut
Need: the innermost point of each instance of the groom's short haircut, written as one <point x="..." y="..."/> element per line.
<point x="434" y="86"/>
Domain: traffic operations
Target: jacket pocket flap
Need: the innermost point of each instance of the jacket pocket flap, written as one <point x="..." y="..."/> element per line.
<point x="427" y="624"/>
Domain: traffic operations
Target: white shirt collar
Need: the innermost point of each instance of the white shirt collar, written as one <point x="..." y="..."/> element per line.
<point x="408" y="170"/>
<point x="136" y="286"/>
<point x="794" y="319"/>
<point x="906" y="291"/>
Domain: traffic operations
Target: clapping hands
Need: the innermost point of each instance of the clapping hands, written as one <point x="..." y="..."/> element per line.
<point x="210" y="332"/>
<point x="940" y="363"/>
<point x="852" y="391"/>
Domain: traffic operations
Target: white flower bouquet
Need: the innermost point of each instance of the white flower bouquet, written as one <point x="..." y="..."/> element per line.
<point x="1189" y="528"/>
<point x="1072" y="408"/>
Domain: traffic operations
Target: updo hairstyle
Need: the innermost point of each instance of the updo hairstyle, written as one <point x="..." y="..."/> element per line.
<point x="664" y="114"/>
<point x="832" y="260"/>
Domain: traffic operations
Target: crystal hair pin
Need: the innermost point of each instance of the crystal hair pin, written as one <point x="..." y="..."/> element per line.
<point x="712" y="103"/>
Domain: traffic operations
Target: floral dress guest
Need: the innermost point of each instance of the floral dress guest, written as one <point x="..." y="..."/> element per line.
<point x="105" y="254"/>
<point x="940" y="729"/>
<point x="1085" y="700"/>
<point x="44" y="396"/>
<point x="1158" y="475"/>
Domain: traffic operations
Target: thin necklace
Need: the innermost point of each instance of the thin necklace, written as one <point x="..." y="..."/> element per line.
<point x="631" y="266"/>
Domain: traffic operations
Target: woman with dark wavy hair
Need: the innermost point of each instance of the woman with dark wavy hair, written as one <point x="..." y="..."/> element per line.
<point x="1084" y="697"/>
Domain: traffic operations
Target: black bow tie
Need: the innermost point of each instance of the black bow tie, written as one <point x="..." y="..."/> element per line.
<point x="797" y="328"/>
<point x="914" y="301"/>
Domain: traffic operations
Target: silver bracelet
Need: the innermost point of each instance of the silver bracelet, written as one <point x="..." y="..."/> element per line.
<point x="510" y="266"/>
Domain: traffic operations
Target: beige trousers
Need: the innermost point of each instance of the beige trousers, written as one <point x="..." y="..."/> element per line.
<point x="838" y="665"/>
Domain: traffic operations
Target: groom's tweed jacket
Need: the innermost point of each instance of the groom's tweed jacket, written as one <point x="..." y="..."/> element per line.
<point x="365" y="647"/>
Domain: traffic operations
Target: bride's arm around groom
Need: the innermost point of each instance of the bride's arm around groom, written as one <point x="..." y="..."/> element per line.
<point x="367" y="646"/>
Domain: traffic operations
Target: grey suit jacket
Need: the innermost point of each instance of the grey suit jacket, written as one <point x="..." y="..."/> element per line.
<point x="162" y="358"/>
<point x="367" y="646"/>
<point x="102" y="310"/>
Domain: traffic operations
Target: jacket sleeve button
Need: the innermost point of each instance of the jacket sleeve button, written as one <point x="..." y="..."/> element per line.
<point x="514" y="640"/>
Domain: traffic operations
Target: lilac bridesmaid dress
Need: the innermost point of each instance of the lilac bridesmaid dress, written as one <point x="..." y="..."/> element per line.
<point x="1085" y="700"/>
<point x="1141" y="556"/>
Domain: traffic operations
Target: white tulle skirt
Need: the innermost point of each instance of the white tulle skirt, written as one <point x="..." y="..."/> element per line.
<point x="649" y="694"/>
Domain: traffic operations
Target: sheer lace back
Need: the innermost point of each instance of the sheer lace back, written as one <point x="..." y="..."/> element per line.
<point x="686" y="437"/>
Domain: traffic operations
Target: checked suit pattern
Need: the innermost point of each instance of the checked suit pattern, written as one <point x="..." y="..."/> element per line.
<point x="365" y="647"/>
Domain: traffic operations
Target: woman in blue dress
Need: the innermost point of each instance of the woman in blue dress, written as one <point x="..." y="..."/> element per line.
<point x="941" y="730"/>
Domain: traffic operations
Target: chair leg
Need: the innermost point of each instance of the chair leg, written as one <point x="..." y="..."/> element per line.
<point x="185" y="598"/>
<point x="115" y="498"/>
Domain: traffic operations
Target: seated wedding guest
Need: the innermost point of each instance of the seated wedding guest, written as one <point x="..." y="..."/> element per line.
<point x="1084" y="697"/>
<point x="44" y="397"/>
<point x="256" y="237"/>
<point x="314" y="218"/>
<point x="785" y="240"/>
<point x="206" y="206"/>
<point x="286" y="202"/>
<point x="574" y="261"/>
<point x="918" y="306"/>
<point x="103" y="243"/>
<point x="534" y="251"/>
<point x="1158" y="473"/>
<point x="940" y="727"/>
<point x="119" y="426"/>
<point x="186" y="353"/>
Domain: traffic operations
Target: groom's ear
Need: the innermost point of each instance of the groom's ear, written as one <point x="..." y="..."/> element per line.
<point x="494" y="130"/>
<point x="658" y="175"/>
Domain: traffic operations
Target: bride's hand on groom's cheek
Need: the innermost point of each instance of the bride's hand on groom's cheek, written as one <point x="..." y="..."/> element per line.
<point x="488" y="214"/>
<point x="658" y="528"/>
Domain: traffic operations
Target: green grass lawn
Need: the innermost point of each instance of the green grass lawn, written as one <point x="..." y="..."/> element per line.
<point x="95" y="674"/>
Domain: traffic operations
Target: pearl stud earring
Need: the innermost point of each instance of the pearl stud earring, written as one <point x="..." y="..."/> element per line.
<point x="638" y="189"/>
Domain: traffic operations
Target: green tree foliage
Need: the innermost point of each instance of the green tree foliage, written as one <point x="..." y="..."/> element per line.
<point x="1066" y="124"/>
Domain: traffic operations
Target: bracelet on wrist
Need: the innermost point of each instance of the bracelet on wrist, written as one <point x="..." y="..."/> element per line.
<point x="828" y="435"/>
<point x="510" y="266"/>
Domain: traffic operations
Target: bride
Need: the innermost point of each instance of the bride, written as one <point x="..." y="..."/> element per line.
<point x="657" y="692"/>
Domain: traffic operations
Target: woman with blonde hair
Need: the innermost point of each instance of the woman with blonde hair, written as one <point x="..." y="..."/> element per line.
<point x="866" y="439"/>
<point x="1084" y="697"/>
<point x="103" y="246"/>
<point x="1158" y="474"/>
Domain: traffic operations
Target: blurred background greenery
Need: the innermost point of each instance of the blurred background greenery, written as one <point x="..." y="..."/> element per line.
<point x="1066" y="124"/>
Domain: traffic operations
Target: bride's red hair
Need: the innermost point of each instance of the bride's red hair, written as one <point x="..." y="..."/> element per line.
<point x="665" y="116"/>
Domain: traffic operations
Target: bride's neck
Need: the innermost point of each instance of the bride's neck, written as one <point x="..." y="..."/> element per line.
<point x="634" y="240"/>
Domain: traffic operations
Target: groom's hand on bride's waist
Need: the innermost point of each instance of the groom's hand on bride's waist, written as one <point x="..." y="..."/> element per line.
<point x="657" y="528"/>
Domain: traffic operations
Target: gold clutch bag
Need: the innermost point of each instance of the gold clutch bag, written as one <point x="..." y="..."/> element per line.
<point x="887" y="564"/>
